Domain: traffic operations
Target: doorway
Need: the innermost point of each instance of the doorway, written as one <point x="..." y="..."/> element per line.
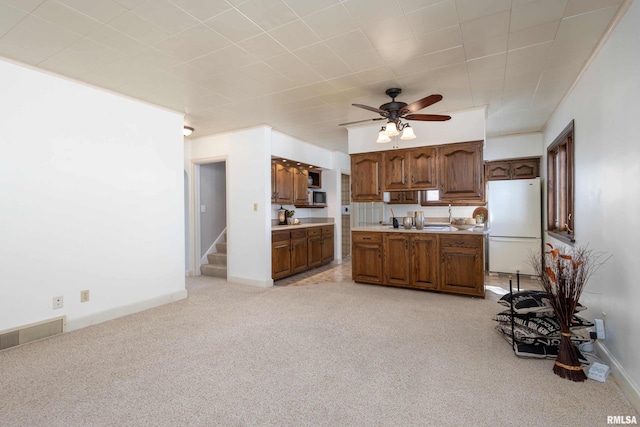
<point x="345" y="217"/>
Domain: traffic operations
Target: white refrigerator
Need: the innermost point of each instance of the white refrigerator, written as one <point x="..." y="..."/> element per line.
<point x="515" y="225"/>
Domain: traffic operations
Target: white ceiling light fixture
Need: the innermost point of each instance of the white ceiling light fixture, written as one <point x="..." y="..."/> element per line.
<point x="407" y="133"/>
<point x="382" y="137"/>
<point x="187" y="131"/>
<point x="391" y="129"/>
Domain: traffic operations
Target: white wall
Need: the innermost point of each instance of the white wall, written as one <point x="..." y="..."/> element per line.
<point x="248" y="155"/>
<point x="463" y="126"/>
<point x="92" y="198"/>
<point x="605" y="107"/>
<point x="513" y="146"/>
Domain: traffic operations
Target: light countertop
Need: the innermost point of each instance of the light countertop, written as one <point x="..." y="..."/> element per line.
<point x="428" y="229"/>
<point x="301" y="225"/>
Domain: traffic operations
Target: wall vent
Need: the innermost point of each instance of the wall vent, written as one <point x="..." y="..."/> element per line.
<point x="32" y="332"/>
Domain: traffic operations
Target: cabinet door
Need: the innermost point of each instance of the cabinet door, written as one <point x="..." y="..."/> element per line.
<point x="403" y="197"/>
<point x="366" y="257"/>
<point x="498" y="170"/>
<point x="314" y="247"/>
<point x="284" y="184"/>
<point x="301" y="181"/>
<point x="280" y="259"/>
<point x="396" y="259"/>
<point x="424" y="261"/>
<point x="423" y="168"/>
<point x="365" y="177"/>
<point x="327" y="244"/>
<point x="299" y="254"/>
<point x="395" y="170"/>
<point x="525" y="168"/>
<point x="461" y="171"/>
<point x="462" y="264"/>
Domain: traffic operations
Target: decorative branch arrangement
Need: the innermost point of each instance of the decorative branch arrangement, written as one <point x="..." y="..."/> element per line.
<point x="564" y="276"/>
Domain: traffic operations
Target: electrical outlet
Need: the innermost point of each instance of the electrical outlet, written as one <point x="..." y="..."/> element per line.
<point x="84" y="295"/>
<point x="58" y="302"/>
<point x="600" y="328"/>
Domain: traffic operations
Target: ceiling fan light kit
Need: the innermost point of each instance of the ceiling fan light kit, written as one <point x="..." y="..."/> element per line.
<point x="395" y="110"/>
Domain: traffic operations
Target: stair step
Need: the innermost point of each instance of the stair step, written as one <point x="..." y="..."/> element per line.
<point x="217" y="259"/>
<point x="221" y="248"/>
<point x="213" y="270"/>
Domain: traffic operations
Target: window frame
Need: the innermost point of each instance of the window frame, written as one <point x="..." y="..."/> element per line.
<point x="561" y="186"/>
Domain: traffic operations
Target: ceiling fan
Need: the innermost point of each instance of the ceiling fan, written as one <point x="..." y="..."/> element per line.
<point x="394" y="111"/>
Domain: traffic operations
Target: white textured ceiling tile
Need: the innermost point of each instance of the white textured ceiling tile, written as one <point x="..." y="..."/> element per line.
<point x="364" y="61"/>
<point x="451" y="77"/>
<point x="138" y="28"/>
<point x="152" y="57"/>
<point x="580" y="33"/>
<point x="459" y="98"/>
<point x="433" y="18"/>
<point x="316" y="89"/>
<point x="130" y="4"/>
<point x="34" y="40"/>
<point x="306" y="7"/>
<point x="292" y="67"/>
<point x="67" y="17"/>
<point x="189" y="72"/>
<point x="415" y="65"/>
<point x="267" y="14"/>
<point x="536" y="13"/>
<point x="483" y="28"/>
<point x="9" y="17"/>
<point x="445" y="58"/>
<point x="529" y="56"/>
<point x="486" y="47"/>
<point x="116" y="40"/>
<point x="261" y="72"/>
<point x="576" y="7"/>
<point x="369" y="12"/>
<point x="376" y="75"/>
<point x="103" y="10"/>
<point x="445" y="38"/>
<point x="26" y="6"/>
<point x="349" y="43"/>
<point x="422" y="82"/>
<point x="323" y="60"/>
<point x="80" y="58"/>
<point x="330" y="22"/>
<point x="521" y="79"/>
<point x="262" y="46"/>
<point x="346" y="82"/>
<point x="488" y="65"/>
<point x="469" y="10"/>
<point x="166" y="15"/>
<point x="533" y="35"/>
<point x="202" y="10"/>
<point x="233" y="25"/>
<point x="194" y="42"/>
<point x="400" y="53"/>
<point x="294" y="35"/>
<point x="223" y="60"/>
<point x="387" y="31"/>
<point x="411" y="5"/>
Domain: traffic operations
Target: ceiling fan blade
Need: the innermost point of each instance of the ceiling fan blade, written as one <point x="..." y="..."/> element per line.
<point x="421" y="103"/>
<point x="361" y="121"/>
<point x="428" y="117"/>
<point x="375" y="110"/>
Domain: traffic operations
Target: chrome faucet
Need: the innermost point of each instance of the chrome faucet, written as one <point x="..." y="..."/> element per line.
<point x="450" y="218"/>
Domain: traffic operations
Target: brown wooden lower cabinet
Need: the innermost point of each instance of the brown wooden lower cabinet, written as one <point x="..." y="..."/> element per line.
<point x="431" y="261"/>
<point x="294" y="251"/>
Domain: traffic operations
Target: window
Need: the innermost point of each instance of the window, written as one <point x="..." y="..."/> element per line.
<point x="560" y="186"/>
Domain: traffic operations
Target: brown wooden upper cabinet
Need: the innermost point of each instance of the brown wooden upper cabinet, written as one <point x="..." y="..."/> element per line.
<point x="524" y="168"/>
<point x="288" y="184"/>
<point x="461" y="172"/>
<point x="300" y="183"/>
<point x="412" y="169"/>
<point x="366" y="177"/>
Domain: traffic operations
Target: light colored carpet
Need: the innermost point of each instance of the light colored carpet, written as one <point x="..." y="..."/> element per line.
<point x="334" y="353"/>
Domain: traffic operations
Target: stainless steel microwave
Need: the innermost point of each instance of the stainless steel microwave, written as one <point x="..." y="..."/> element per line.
<point x="319" y="198"/>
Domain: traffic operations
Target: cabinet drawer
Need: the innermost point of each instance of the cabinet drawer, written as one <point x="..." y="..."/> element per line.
<point x="314" y="231"/>
<point x="367" y="237"/>
<point x="327" y="230"/>
<point x="461" y="241"/>
<point x="280" y="236"/>
<point x="298" y="234"/>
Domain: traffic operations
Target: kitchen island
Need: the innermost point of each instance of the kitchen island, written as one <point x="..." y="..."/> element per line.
<point x="438" y="258"/>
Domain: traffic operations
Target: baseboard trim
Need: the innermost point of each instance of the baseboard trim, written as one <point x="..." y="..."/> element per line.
<point x="250" y="282"/>
<point x="103" y="316"/>
<point x="628" y="386"/>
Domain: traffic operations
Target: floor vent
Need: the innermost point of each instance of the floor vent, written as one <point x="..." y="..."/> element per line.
<point x="33" y="332"/>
